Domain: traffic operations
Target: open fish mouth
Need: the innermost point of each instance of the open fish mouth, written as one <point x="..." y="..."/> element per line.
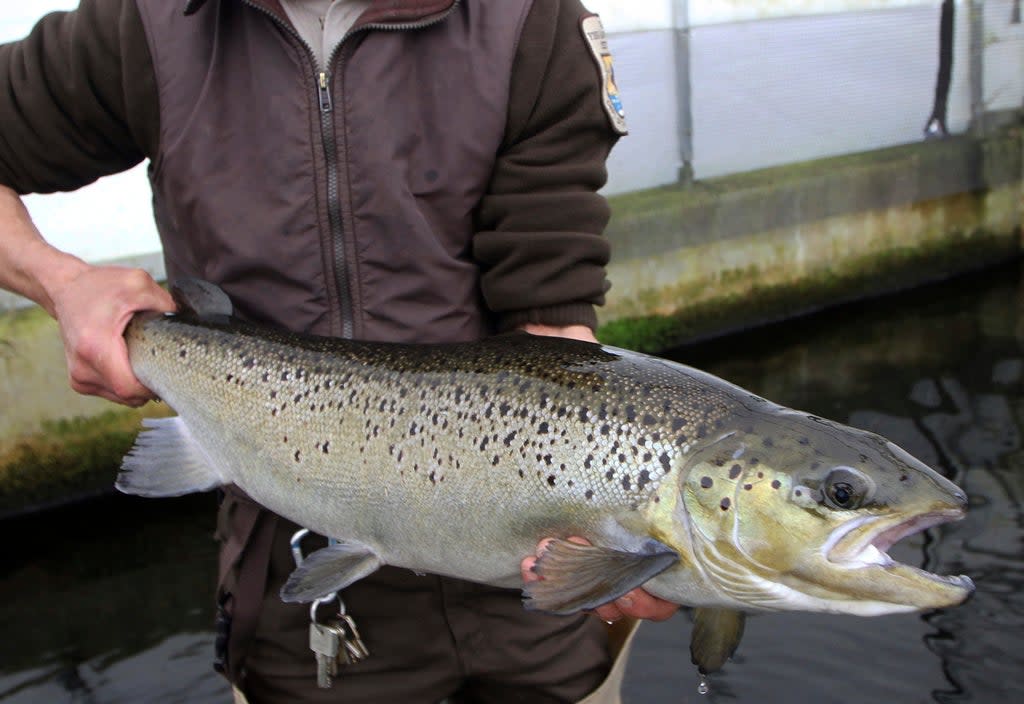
<point x="863" y="543"/>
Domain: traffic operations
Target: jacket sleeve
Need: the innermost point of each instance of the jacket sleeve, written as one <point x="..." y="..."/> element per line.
<point x="77" y="99"/>
<point x="538" y="241"/>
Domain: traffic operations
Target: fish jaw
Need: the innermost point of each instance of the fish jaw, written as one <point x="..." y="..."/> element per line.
<point x="859" y="550"/>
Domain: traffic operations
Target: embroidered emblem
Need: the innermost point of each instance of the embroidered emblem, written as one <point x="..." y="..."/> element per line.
<point x="593" y="32"/>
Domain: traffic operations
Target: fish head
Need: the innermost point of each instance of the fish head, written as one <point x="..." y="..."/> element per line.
<point x="788" y="511"/>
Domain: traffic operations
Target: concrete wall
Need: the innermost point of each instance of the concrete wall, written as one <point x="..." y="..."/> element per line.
<point x="732" y="251"/>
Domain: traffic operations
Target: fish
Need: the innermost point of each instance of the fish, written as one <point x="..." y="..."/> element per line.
<point x="458" y="459"/>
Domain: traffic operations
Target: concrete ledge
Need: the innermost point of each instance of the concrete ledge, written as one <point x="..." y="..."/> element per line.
<point x="690" y="262"/>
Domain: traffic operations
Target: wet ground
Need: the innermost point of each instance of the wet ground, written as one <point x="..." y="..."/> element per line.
<point x="108" y="602"/>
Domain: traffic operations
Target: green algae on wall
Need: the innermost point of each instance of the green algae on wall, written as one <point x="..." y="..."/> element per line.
<point x="68" y="459"/>
<point x="759" y="304"/>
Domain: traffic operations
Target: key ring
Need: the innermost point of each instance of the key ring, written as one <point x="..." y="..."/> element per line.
<point x="296" y="547"/>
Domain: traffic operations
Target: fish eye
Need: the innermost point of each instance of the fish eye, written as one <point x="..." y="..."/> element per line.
<point x="846" y="488"/>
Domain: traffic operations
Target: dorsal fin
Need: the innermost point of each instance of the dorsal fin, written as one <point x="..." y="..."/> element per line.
<point x="201" y="299"/>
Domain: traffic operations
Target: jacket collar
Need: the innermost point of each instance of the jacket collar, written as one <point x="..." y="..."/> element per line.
<point x="386" y="11"/>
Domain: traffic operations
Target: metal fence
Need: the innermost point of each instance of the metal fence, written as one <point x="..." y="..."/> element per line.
<point x="715" y="87"/>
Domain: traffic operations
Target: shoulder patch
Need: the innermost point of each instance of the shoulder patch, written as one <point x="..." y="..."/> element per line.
<point x="593" y="32"/>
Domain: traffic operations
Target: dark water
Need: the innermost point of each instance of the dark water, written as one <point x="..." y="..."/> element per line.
<point x="108" y="603"/>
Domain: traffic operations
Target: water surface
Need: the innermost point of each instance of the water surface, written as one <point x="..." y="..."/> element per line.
<point x="109" y="602"/>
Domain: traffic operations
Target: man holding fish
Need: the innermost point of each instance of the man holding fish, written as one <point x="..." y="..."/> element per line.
<point x="400" y="171"/>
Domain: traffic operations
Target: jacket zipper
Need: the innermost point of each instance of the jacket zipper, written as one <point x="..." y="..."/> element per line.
<point x="322" y="85"/>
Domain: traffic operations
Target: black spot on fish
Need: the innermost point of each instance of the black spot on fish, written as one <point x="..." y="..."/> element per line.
<point x="229" y="377"/>
<point x="776" y="483"/>
<point x="754" y="461"/>
<point x="706" y="482"/>
<point x="551" y="480"/>
<point x="273" y="394"/>
<point x="804" y="441"/>
<point x="748" y="487"/>
<point x="182" y="354"/>
<point x="677" y="424"/>
<point x="483" y="443"/>
<point x="798" y="492"/>
<point x="767" y="442"/>
<point x="494" y="461"/>
<point x="649" y="420"/>
<point x="647" y="457"/>
<point x="326" y="446"/>
<point x="666" y="463"/>
<point x="589" y="494"/>
<point x="725" y="504"/>
<point x="297" y="453"/>
<point x="643" y="479"/>
<point x="904" y="477"/>
<point x="609" y="475"/>
<point x="433" y="477"/>
<point x="583" y="413"/>
<point x="509" y="438"/>
<point x="547" y="460"/>
<point x="735" y="471"/>
<point x="630" y="413"/>
<point x="249" y="363"/>
<point x="542" y="429"/>
<point x="266" y="376"/>
<point x="702" y="431"/>
<point x="625" y="482"/>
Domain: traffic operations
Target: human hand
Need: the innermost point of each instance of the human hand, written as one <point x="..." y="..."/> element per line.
<point x="93" y="306"/>
<point x="635" y="604"/>
<point x="573" y="332"/>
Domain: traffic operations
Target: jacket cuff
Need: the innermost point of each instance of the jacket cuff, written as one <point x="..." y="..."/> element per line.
<point x="557" y="316"/>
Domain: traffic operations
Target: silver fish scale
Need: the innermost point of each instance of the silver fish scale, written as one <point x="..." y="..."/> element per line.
<point x="520" y="435"/>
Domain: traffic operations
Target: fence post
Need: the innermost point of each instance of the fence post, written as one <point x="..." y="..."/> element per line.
<point x="976" y="63"/>
<point x="684" y="116"/>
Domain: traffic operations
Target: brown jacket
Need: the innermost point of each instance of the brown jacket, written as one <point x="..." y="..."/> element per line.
<point x="442" y="168"/>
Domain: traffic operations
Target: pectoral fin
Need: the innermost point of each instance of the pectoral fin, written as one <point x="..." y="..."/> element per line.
<point x="716" y="635"/>
<point x="578" y="577"/>
<point x="329" y="569"/>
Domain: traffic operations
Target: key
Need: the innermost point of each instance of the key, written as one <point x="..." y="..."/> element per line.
<point x="325" y="642"/>
<point x="352" y="642"/>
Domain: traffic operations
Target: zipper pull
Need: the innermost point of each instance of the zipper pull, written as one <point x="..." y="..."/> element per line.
<point x="324" y="90"/>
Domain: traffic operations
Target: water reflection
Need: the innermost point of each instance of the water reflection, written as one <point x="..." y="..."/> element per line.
<point x="110" y="602"/>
